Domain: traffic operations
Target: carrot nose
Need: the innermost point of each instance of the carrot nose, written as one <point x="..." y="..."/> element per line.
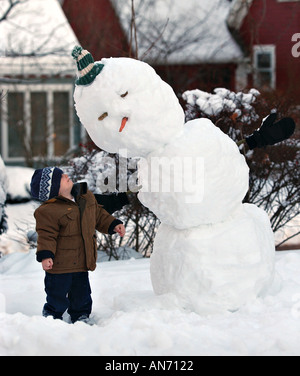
<point x="124" y="121"/>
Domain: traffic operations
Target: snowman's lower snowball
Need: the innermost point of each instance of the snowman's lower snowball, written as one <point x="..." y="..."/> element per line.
<point x="218" y="267"/>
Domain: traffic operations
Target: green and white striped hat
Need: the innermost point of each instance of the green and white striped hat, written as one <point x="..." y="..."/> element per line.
<point x="87" y="68"/>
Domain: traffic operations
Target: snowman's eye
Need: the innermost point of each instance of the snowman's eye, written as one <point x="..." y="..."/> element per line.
<point x="103" y="116"/>
<point x="124" y="95"/>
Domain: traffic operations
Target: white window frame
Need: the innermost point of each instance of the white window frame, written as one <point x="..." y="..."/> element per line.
<point x="27" y="89"/>
<point x="267" y="48"/>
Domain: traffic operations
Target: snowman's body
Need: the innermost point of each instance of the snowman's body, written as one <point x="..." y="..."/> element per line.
<point x="211" y="251"/>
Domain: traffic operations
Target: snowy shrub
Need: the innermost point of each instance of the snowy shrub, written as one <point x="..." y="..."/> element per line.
<point x="274" y="170"/>
<point x="228" y="110"/>
<point x="239" y="105"/>
<point x="106" y="174"/>
<point x="141" y="225"/>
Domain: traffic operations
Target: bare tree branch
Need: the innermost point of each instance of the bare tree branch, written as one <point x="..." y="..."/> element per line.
<point x="11" y="5"/>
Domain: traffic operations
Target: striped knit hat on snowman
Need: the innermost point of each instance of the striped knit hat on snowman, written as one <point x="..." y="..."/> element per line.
<point x="87" y="68"/>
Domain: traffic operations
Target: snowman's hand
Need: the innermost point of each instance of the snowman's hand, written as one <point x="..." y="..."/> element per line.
<point x="270" y="133"/>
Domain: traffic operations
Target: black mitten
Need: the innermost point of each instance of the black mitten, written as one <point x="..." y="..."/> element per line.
<point x="271" y="133"/>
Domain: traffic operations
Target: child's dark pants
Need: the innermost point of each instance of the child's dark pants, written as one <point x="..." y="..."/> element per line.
<point x="69" y="291"/>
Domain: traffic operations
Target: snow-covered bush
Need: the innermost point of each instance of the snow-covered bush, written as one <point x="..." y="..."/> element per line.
<point x="274" y="170"/>
<point x="104" y="172"/>
<point x="107" y="174"/>
<point x="228" y="110"/>
<point x="240" y="104"/>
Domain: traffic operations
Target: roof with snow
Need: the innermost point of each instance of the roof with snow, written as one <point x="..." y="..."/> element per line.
<point x="36" y="37"/>
<point x="180" y="32"/>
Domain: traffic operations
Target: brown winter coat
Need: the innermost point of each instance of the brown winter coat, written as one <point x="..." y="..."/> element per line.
<point x="66" y="232"/>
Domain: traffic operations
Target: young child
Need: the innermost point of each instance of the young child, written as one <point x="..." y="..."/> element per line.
<point x="66" y="223"/>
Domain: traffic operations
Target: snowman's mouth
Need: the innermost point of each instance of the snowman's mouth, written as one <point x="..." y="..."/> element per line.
<point x="123" y="123"/>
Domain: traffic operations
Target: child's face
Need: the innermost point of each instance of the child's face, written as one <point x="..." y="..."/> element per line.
<point x="66" y="185"/>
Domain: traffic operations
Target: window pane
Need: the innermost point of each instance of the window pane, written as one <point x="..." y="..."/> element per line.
<point x="39" y="124"/>
<point x="264" y="60"/>
<point x="61" y="113"/>
<point x="16" y="126"/>
<point x="265" y="79"/>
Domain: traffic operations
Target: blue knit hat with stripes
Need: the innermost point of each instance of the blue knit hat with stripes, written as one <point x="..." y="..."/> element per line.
<point x="45" y="183"/>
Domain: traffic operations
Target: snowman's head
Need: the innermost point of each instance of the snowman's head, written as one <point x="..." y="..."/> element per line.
<point x="127" y="108"/>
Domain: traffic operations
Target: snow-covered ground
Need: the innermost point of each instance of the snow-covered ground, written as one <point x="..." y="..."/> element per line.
<point x="131" y="320"/>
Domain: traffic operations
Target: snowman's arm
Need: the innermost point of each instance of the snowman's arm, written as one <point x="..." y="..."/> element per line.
<point x="270" y="132"/>
<point x="112" y="202"/>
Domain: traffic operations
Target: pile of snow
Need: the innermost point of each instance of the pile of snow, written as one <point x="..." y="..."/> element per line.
<point x="131" y="320"/>
<point x="15" y="189"/>
<point x="19" y="179"/>
<point x="20" y="221"/>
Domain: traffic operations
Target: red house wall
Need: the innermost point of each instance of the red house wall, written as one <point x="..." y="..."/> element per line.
<point x="205" y="77"/>
<point x="97" y="27"/>
<point x="274" y="22"/>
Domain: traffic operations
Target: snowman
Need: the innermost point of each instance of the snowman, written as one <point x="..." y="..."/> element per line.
<point x="212" y="253"/>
